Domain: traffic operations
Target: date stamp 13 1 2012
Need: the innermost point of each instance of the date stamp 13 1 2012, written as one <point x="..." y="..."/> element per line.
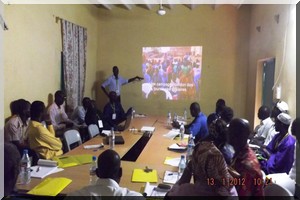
<point x="239" y="181"/>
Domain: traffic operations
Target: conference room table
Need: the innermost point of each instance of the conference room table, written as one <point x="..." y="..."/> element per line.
<point x="152" y="156"/>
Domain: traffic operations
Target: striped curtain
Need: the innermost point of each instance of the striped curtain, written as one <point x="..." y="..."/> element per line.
<point x="74" y="40"/>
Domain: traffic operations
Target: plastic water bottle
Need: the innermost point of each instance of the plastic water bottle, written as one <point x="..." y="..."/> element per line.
<point x="112" y="139"/>
<point x="181" y="131"/>
<point x="175" y="118"/>
<point x="169" y="120"/>
<point x="93" y="176"/>
<point x="133" y="113"/>
<point x="190" y="148"/>
<point x="25" y="174"/>
<point x="185" y="114"/>
<point x="181" y="166"/>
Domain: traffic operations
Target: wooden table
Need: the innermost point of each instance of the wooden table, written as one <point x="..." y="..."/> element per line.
<point x="152" y="156"/>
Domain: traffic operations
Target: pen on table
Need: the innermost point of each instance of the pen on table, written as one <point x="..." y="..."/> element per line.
<point x="154" y="122"/>
<point x="37" y="169"/>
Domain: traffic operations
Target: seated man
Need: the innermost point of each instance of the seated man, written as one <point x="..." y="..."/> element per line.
<point x="244" y="161"/>
<point x="15" y="128"/>
<point x="109" y="172"/>
<point x="12" y="160"/>
<point x="113" y="112"/>
<point x="226" y="114"/>
<point x="209" y="171"/>
<point x="78" y="114"/>
<point x="261" y="131"/>
<point x="198" y="127"/>
<point x="42" y="140"/>
<point x="220" y="104"/>
<point x="280" y="151"/>
<point x="280" y="107"/>
<point x="57" y="114"/>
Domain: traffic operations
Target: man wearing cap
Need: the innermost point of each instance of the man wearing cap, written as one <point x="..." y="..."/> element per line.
<point x="280" y="151"/>
<point x="280" y="107"/>
<point x="115" y="82"/>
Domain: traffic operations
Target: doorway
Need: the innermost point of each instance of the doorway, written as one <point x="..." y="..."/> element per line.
<point x="264" y="85"/>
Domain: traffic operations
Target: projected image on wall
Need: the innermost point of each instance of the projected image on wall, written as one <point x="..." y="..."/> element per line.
<point x="172" y="72"/>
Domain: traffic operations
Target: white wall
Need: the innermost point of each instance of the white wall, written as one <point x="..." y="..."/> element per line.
<point x="271" y="42"/>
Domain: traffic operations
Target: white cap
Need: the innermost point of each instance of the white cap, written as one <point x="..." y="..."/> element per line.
<point x="284" y="118"/>
<point x="282" y="106"/>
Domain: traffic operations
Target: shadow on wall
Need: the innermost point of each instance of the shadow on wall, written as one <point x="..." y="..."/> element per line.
<point x="50" y="100"/>
<point x="98" y="94"/>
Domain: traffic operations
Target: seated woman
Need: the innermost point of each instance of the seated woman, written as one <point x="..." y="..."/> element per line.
<point x="217" y="133"/>
<point x="209" y="170"/>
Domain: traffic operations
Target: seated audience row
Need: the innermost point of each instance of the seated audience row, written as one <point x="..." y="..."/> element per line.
<point x="212" y="174"/>
<point x="221" y="152"/>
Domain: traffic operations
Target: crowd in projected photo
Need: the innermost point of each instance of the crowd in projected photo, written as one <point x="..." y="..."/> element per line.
<point x="174" y="72"/>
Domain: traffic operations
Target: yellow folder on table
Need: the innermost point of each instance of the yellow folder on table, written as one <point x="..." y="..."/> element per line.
<point x="50" y="186"/>
<point x="139" y="175"/>
<point x="69" y="161"/>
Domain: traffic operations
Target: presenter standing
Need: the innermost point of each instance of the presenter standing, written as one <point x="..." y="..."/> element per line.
<point x="115" y="82"/>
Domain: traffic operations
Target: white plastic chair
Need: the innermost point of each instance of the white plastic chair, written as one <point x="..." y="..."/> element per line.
<point x="71" y="137"/>
<point x="274" y="189"/>
<point x="93" y="130"/>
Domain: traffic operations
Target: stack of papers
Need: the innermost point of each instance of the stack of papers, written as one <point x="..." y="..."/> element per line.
<point x="172" y="161"/>
<point x="69" y="161"/>
<point x="172" y="134"/>
<point x="148" y="128"/>
<point x="153" y="190"/>
<point x="171" y="177"/>
<point x="139" y="175"/>
<point x="44" y="168"/>
<point x="42" y="171"/>
<point x="177" y="147"/>
<point x="50" y="187"/>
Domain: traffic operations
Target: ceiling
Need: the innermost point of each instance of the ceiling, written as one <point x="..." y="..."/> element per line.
<point x="156" y="6"/>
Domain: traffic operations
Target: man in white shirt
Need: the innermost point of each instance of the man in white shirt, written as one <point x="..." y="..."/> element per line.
<point x="263" y="128"/>
<point x="115" y="82"/>
<point x="78" y="115"/>
<point x="58" y="116"/>
<point x="109" y="172"/>
<point x="280" y="107"/>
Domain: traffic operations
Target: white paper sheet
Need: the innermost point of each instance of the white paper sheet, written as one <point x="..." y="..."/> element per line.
<point x="43" y="171"/>
<point x="173" y="162"/>
<point x="147" y="128"/>
<point x="172" y="134"/>
<point x="170" y="177"/>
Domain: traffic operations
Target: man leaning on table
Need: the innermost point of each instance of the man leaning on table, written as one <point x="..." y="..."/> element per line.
<point x="198" y="127"/>
<point x="109" y="172"/>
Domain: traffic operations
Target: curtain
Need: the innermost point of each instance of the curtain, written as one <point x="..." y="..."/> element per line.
<point x="74" y="62"/>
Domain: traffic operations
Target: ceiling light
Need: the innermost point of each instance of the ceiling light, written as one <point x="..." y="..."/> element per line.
<point x="161" y="11"/>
